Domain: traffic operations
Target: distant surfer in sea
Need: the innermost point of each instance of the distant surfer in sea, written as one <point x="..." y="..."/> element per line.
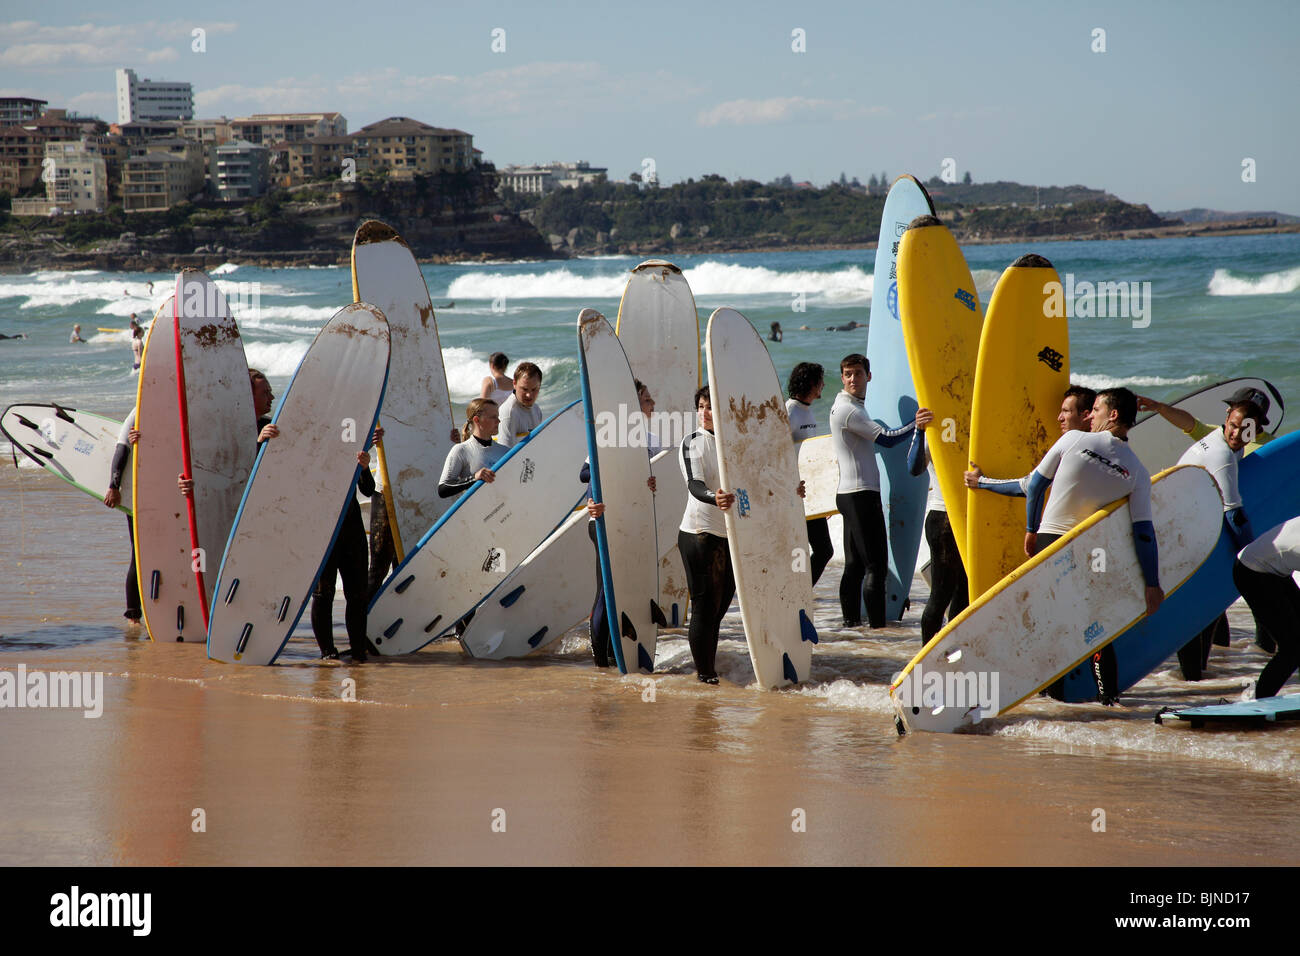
<point x="807" y="379"/>
<point x="20" y="335"/>
<point x="775" y="334"/>
<point x="76" y="335"/>
<point x="1262" y="573"/>
<point x="520" y="413"/>
<point x="854" y="436"/>
<point x="848" y="327"/>
<point x="126" y="438"/>
<point x="137" y="347"/>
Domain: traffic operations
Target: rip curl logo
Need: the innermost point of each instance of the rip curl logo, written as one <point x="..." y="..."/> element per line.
<point x="742" y="502"/>
<point x="965" y="298"/>
<point x="526" y="475"/>
<point x="1114" y="466"/>
<point x="1051" y="358"/>
<point x="493" y="560"/>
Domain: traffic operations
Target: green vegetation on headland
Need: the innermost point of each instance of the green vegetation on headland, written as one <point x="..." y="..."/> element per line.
<point x="450" y="217"/>
<point x="714" y="215"/>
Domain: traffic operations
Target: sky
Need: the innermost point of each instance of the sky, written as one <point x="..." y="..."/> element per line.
<point x="1157" y="102"/>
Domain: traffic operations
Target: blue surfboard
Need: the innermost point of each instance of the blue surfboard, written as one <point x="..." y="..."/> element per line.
<point x="891" y="396"/>
<point x="1268" y="710"/>
<point x="1269" y="480"/>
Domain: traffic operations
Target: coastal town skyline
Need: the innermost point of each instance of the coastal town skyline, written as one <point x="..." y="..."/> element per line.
<point x="809" y="93"/>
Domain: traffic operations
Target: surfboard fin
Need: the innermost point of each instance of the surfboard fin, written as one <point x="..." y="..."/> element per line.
<point x="513" y="596"/>
<point x="432" y="624"/>
<point x="628" y="630"/>
<point x="806" y="630"/>
<point x="41" y="451"/>
<point x="28" y="423"/>
<point x="657" y="613"/>
<point x="284" y="610"/>
<point x="404" y="583"/>
<point x="392" y="628"/>
<point x="180" y="621"/>
<point x="537" y="638"/>
<point x="244" y="635"/>
<point x="643" y="660"/>
<point x="61" y="412"/>
<point x="791" y="674"/>
<point x="155" y="581"/>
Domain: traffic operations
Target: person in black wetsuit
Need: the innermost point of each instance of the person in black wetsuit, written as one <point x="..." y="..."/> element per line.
<point x="854" y="436"/>
<point x="113" y="497"/>
<point x="804" y="387"/>
<point x="702" y="540"/>
<point x="949" y="594"/>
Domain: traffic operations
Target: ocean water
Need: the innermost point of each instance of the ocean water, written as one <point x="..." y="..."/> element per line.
<point x="1219" y="308"/>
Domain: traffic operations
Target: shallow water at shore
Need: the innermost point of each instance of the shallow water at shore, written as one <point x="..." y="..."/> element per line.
<point x="577" y="764"/>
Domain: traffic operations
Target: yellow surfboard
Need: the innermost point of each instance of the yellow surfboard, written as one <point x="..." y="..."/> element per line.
<point x="1021" y="374"/>
<point x="941" y="316"/>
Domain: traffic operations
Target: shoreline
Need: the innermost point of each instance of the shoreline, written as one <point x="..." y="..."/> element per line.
<point x="300" y="258"/>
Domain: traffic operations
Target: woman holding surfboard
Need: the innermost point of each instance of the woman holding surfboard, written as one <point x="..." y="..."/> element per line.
<point x="807" y="379"/>
<point x="702" y="540"/>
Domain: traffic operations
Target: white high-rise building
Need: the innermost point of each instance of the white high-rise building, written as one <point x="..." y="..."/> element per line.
<point x="139" y="100"/>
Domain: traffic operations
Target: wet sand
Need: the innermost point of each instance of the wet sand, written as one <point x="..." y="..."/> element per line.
<point x="578" y="764"/>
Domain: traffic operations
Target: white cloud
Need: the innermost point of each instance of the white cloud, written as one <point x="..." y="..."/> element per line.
<point x="27" y="45"/>
<point x="782" y="109"/>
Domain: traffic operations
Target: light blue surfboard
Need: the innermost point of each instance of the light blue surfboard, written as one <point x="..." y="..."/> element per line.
<point x="891" y="396"/>
<point x="1269" y="480"/>
<point x="1268" y="710"/>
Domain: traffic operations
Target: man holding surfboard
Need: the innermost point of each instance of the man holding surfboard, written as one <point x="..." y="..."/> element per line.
<point x="854" y="436"/>
<point x="520" y="413"/>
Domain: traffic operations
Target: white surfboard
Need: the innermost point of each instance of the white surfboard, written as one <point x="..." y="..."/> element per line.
<point x="483" y="536"/>
<point x="549" y="593"/>
<point x="1057" y="609"/>
<point x="620" y="471"/>
<point x="660" y="331"/>
<point x="73" y="445"/>
<point x="820" y="471"/>
<point x="1159" y="444"/>
<point x="168" y="591"/>
<point x="670" y="502"/>
<point x="766" y="529"/>
<point x="297" y="494"/>
<point x="218" y="423"/>
<point x="417" y="416"/>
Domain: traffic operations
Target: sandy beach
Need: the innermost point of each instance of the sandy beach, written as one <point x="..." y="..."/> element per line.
<point x="444" y="760"/>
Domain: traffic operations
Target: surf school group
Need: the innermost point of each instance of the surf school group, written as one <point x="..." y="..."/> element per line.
<point x="693" y="492"/>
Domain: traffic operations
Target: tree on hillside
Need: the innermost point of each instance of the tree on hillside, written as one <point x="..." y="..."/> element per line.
<point x="634" y="177"/>
<point x="966" y="179"/>
<point x="872" y="185"/>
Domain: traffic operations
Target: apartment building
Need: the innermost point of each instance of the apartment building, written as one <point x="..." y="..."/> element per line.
<point x="271" y="128"/>
<point x="147" y="99"/>
<point x="401" y="144"/>
<point x="243" y="170"/>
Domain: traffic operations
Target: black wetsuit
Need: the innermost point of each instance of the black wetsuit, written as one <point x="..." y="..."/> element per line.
<point x="1274" y="599"/>
<point x="348" y="559"/>
<point x="705" y="554"/>
<point x="602" y="642"/>
<point x="121" y="458"/>
<point x="383" y="554"/>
